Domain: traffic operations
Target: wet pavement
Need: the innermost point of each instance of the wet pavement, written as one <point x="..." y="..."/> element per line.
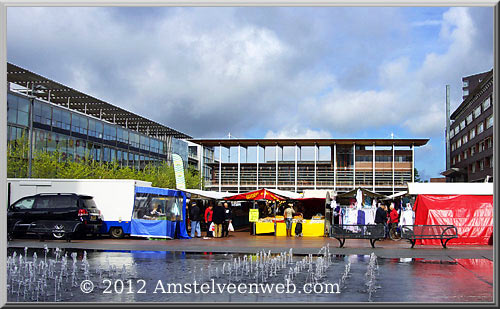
<point x="389" y="279"/>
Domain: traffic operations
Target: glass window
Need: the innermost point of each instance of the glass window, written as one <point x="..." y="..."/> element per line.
<point x="453" y="146"/>
<point x="466" y="84"/>
<point x="489" y="122"/>
<point x="473" y="167"/>
<point x="23" y="105"/>
<point x="66" y="120"/>
<point x="99" y="129"/>
<point x="472" y="133"/>
<point x="465" y="139"/>
<point x="469" y="119"/>
<point x="453" y="161"/>
<point x="473" y="150"/>
<point x="106" y="154"/>
<point x="113" y="155"/>
<point x="481" y="165"/>
<point x="452" y="133"/>
<point x="92" y="131"/>
<point x="465" y="154"/>
<point x="56" y="118"/>
<point x="486" y="104"/>
<point x="466" y="92"/>
<point x="462" y="125"/>
<point x="109" y="132"/>
<point x="456" y="130"/>
<point x="480" y="128"/>
<point x="11" y="114"/>
<point x="25" y="203"/>
<point x="459" y="143"/>
<point x="477" y="111"/>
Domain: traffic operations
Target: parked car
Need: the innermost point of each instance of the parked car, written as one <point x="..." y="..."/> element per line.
<point x="58" y="214"/>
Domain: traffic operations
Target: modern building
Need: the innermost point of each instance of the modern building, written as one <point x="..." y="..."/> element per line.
<point x="380" y="165"/>
<point x="471" y="132"/>
<point x="78" y="124"/>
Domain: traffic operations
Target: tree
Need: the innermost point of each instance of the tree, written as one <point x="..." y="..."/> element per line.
<point x="417" y="176"/>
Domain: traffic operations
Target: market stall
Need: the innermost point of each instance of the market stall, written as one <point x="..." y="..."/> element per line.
<point x="357" y="206"/>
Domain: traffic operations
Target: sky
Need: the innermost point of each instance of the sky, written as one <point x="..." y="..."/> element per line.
<point x="269" y="72"/>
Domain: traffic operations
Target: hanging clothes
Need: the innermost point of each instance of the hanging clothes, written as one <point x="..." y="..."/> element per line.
<point x="361" y="217"/>
<point x="407" y="217"/>
<point x="370" y="215"/>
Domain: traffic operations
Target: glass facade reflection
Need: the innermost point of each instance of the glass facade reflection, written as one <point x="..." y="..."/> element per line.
<point x="76" y="135"/>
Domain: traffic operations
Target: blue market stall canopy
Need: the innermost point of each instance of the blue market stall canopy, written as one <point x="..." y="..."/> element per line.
<point x="159" y="213"/>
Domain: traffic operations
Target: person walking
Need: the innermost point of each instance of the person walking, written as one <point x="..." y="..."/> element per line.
<point x="208" y="219"/>
<point x="218" y="219"/>
<point x="194" y="216"/>
<point x="228" y="217"/>
<point x="393" y="217"/>
<point x="381" y="217"/>
<point x="288" y="214"/>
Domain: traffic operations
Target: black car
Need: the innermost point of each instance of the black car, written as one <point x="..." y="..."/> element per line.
<point x="56" y="214"/>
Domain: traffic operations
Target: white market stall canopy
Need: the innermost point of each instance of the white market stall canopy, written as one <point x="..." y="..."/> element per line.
<point x="318" y="193"/>
<point x="287" y="194"/>
<point x="450" y="188"/>
<point x="197" y="193"/>
<point x="395" y="195"/>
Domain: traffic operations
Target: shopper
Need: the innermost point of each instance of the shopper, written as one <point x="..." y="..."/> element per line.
<point x="194" y="216"/>
<point x="393" y="217"/>
<point x="228" y="218"/>
<point x="218" y="219"/>
<point x="288" y="214"/>
<point x="381" y="217"/>
<point x="208" y="219"/>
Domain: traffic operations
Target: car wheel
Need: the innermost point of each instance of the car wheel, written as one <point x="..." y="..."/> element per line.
<point x="116" y="232"/>
<point x="57" y="234"/>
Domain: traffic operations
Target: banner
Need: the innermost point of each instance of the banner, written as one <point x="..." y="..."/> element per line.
<point x="179" y="172"/>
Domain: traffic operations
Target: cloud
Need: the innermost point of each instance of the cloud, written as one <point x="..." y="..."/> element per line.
<point x="298" y="132"/>
<point x="428" y="22"/>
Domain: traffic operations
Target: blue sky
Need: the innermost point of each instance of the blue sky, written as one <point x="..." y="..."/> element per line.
<point x="335" y="72"/>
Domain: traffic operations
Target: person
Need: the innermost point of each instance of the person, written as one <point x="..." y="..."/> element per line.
<point x="381" y="217"/>
<point x="194" y="216"/>
<point x="393" y="217"/>
<point x="208" y="219"/>
<point x="218" y="219"/>
<point x="298" y="226"/>
<point x="228" y="217"/>
<point x="288" y="214"/>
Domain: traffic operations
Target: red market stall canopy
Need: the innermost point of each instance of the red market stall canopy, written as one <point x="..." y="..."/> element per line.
<point x="471" y="214"/>
<point x="262" y="194"/>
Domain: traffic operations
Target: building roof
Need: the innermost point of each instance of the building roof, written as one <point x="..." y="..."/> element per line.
<point x="473" y="95"/>
<point x="308" y="142"/>
<point x="60" y="94"/>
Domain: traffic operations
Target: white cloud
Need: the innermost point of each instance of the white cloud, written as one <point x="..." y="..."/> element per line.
<point x="298" y="132"/>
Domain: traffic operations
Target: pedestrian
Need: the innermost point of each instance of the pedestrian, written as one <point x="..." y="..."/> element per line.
<point x="228" y="218"/>
<point x="298" y="225"/>
<point x="381" y="216"/>
<point x="393" y="217"/>
<point x="218" y="219"/>
<point x="288" y="214"/>
<point x="208" y="219"/>
<point x="194" y="216"/>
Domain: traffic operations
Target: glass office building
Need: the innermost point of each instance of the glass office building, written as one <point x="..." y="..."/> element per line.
<point x="75" y="131"/>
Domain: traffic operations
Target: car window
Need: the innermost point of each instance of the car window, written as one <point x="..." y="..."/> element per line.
<point x="89" y="203"/>
<point x="26" y="203"/>
<point x="56" y="202"/>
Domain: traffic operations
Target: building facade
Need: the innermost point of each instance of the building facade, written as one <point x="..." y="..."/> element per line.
<point x="78" y="125"/>
<point x="471" y="132"/>
<point x="380" y="165"/>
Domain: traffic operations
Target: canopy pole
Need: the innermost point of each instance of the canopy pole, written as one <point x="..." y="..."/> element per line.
<point x="354" y="165"/>
<point x="335" y="167"/>
<point x="392" y="168"/>
<point x="412" y="162"/>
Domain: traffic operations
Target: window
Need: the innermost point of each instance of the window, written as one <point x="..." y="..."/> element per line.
<point x="453" y="162"/>
<point x="491" y="162"/>
<point x="477" y="112"/>
<point x="25" y="203"/>
<point x="462" y="125"/>
<point x="482" y="146"/>
<point x="486" y="104"/>
<point x="465" y="154"/>
<point x="481" y="165"/>
<point x="489" y="142"/>
<point x="459" y="143"/>
<point x="480" y="128"/>
<point x="459" y="157"/>
<point x="65" y="120"/>
<point x="466" y="83"/>
<point x="469" y="119"/>
<point x="452" y="133"/>
<point x="466" y="92"/>
<point x="109" y="132"/>
<point x="465" y="139"/>
<point x="453" y="146"/>
<point x="473" y="150"/>
<point x="456" y="130"/>
<point x="473" y="167"/>
<point x="472" y="133"/>
<point x="99" y="129"/>
<point x="489" y="122"/>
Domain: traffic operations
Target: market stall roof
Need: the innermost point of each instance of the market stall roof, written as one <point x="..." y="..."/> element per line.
<point x="262" y="194"/>
<point x="318" y="194"/>
<point x="365" y="191"/>
<point x="288" y="194"/>
<point x="450" y="188"/>
<point x="395" y="195"/>
<point x="197" y="193"/>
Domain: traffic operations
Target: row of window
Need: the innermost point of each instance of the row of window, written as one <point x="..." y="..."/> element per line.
<point x="397" y="158"/>
<point x="474" y="115"/>
<point x="481" y="165"/>
<point x="18" y="113"/>
<point x="472" y="133"/>
<point x="479" y="147"/>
